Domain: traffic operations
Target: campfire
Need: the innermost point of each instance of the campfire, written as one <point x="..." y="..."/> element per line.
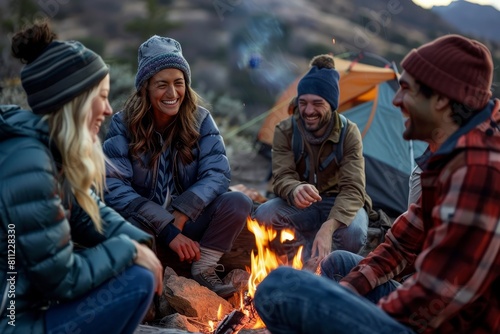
<point x="262" y="264"/>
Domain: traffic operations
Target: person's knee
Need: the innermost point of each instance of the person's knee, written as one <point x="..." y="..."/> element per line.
<point x="327" y="265"/>
<point x="241" y="202"/>
<point x="236" y="206"/>
<point x="337" y="264"/>
<point x="142" y="277"/>
<point x="269" y="290"/>
<point x="275" y="212"/>
<point x="354" y="236"/>
<point x="360" y="222"/>
<point x="264" y="213"/>
<point x="351" y="242"/>
<point x="242" y="208"/>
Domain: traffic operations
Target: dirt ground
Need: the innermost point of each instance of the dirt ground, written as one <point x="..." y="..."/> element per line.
<point x="250" y="169"/>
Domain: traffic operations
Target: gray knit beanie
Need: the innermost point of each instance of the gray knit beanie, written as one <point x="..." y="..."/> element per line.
<point x="63" y="71"/>
<point x="159" y="53"/>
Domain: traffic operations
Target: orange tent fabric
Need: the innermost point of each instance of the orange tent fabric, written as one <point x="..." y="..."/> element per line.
<point x="358" y="84"/>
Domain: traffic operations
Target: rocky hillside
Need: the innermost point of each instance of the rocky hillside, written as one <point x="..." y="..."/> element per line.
<point x="250" y="50"/>
<point x="472" y="19"/>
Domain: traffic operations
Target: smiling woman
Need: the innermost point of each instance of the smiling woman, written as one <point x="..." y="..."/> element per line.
<point x="172" y="174"/>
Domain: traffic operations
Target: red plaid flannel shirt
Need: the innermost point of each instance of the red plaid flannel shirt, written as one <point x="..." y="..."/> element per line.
<point x="452" y="237"/>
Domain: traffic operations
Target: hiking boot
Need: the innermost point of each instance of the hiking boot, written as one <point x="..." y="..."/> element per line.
<point x="209" y="279"/>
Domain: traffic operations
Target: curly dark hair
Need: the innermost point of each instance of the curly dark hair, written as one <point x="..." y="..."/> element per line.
<point x="29" y="43"/>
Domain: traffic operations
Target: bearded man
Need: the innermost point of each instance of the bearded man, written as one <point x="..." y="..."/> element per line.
<point x="318" y="171"/>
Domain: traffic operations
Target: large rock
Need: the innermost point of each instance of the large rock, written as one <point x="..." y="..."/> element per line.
<point x="178" y="321"/>
<point x="188" y="298"/>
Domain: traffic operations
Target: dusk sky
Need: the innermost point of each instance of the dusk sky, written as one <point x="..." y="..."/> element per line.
<point x="430" y="3"/>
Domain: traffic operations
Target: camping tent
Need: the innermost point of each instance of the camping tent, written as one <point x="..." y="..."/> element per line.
<point x="366" y="93"/>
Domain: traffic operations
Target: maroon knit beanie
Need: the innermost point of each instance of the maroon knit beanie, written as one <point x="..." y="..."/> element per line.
<point x="454" y="66"/>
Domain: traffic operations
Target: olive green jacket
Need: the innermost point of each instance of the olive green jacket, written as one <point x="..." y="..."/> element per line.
<point x="345" y="181"/>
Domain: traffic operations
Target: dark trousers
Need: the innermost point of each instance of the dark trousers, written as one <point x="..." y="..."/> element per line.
<point x="221" y="222"/>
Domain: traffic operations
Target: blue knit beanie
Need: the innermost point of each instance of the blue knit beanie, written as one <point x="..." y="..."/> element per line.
<point x="159" y="53"/>
<point x="63" y="71"/>
<point x="323" y="82"/>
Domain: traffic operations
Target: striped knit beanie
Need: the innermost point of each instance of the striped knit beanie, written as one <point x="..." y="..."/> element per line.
<point x="323" y="82"/>
<point x="159" y="53"/>
<point x="454" y="66"/>
<point x="63" y="71"/>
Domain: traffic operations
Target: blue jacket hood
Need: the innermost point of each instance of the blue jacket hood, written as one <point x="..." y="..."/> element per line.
<point x="17" y="122"/>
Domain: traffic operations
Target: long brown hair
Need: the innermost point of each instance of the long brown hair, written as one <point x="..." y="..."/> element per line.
<point x="183" y="133"/>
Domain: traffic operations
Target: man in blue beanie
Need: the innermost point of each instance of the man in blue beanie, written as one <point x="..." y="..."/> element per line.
<point x="318" y="172"/>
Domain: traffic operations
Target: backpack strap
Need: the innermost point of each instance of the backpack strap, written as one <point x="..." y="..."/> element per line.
<point x="338" y="148"/>
<point x="298" y="147"/>
<point x="297" y="142"/>
<point x="336" y="154"/>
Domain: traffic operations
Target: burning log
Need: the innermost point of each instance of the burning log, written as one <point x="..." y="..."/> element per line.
<point x="232" y="323"/>
<point x="246" y="317"/>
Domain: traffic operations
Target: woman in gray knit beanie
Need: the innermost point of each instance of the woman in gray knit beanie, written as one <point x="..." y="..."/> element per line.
<point x="172" y="174"/>
<point x="52" y="175"/>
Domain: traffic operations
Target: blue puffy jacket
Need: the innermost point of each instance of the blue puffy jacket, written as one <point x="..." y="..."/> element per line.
<point x="131" y="183"/>
<point x="38" y="229"/>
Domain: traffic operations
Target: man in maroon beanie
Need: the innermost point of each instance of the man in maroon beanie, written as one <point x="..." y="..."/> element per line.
<point x="451" y="235"/>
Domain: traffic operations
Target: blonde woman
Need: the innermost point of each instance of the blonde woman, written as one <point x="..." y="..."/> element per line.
<point x="52" y="177"/>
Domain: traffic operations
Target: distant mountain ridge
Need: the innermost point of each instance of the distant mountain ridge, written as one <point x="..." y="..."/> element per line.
<point x="482" y="21"/>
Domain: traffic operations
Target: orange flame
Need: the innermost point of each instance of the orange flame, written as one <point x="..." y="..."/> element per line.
<point x="219" y="313"/>
<point x="287" y="234"/>
<point x="266" y="260"/>
<point x="263" y="262"/>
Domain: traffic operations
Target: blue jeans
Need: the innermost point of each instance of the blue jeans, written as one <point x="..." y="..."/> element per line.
<point x="294" y="301"/>
<point x="116" y="306"/>
<point x="221" y="222"/>
<point x="339" y="263"/>
<point x="307" y="222"/>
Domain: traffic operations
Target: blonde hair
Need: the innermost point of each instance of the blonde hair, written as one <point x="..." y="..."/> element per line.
<point x="83" y="161"/>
